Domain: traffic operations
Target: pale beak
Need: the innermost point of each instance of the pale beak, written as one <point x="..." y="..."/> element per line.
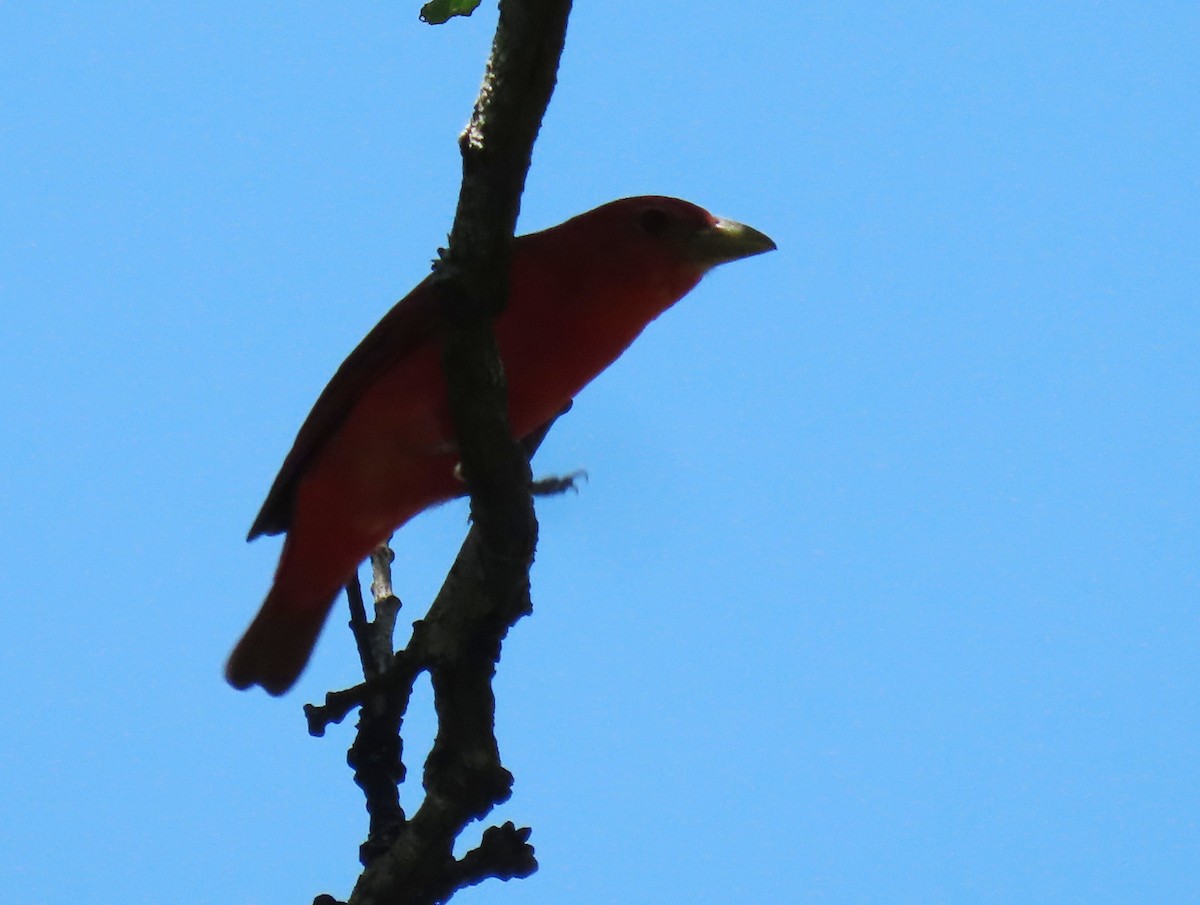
<point x="728" y="240"/>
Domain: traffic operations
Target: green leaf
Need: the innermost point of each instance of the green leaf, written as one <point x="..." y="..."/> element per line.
<point x="435" y="12"/>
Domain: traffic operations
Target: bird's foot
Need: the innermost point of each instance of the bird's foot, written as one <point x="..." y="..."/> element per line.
<point x="558" y="484"/>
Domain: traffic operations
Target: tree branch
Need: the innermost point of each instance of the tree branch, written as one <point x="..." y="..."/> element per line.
<point x="487" y="591"/>
<point x="375" y="755"/>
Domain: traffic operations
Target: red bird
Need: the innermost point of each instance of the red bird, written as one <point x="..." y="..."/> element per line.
<point x="378" y="446"/>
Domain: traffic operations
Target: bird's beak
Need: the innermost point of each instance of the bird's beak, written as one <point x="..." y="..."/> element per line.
<point x="728" y="240"/>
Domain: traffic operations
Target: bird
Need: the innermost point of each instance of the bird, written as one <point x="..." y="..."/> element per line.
<point x="378" y="446"/>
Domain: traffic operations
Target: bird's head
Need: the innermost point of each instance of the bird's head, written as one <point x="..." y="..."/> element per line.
<point x="654" y="230"/>
<point x="636" y="255"/>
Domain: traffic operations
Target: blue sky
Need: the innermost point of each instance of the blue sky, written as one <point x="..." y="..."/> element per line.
<point x="884" y="585"/>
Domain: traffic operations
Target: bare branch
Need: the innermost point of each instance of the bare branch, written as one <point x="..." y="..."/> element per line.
<point x="487" y="591"/>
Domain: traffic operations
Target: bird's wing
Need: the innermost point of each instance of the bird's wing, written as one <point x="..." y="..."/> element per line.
<point x="411" y="320"/>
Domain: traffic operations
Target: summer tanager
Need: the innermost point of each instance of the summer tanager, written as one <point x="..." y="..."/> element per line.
<point x="378" y="446"/>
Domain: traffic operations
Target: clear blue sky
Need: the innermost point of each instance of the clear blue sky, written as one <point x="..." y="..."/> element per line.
<point x="885" y="584"/>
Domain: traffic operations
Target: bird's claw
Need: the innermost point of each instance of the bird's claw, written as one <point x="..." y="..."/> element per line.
<point x="558" y="484"/>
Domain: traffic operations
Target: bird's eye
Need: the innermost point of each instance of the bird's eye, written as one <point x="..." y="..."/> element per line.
<point x="654" y="221"/>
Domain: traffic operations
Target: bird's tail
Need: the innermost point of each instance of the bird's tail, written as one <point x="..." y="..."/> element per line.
<point x="277" y="645"/>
